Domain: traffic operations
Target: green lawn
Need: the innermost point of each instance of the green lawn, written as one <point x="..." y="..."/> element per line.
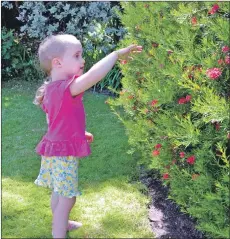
<point x="111" y="206"/>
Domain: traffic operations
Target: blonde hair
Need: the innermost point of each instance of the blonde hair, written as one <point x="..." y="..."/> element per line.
<point x="51" y="47"/>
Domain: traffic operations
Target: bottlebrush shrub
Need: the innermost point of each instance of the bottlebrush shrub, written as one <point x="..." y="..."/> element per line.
<point x="175" y="102"/>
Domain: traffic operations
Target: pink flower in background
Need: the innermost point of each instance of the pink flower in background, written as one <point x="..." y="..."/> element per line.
<point x="158" y="146"/>
<point x="225" y="49"/>
<point x="123" y="62"/>
<point x="165" y="176"/>
<point x="188" y="98"/>
<point x="154" y="102"/>
<point x="227" y="60"/>
<point x="182" y="101"/>
<point x="214" y="9"/>
<point x="220" y="61"/>
<point x="155" y="152"/>
<point x="194" y="21"/>
<point x="217" y="126"/>
<point x="182" y="154"/>
<point x="213" y="73"/>
<point x="191" y="159"/>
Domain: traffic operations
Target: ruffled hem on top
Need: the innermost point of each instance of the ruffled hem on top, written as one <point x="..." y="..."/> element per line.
<point x="77" y="147"/>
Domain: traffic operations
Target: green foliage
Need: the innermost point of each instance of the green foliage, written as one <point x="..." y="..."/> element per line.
<point x="17" y="60"/>
<point x="95" y="24"/>
<point x="175" y="102"/>
<point x="111" y="80"/>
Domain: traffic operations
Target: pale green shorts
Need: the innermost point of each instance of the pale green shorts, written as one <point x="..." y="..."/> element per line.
<point x="60" y="173"/>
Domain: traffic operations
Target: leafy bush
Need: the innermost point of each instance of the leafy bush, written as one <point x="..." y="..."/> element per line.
<point x="95" y="24"/>
<point x="17" y="60"/>
<point x="175" y="102"/>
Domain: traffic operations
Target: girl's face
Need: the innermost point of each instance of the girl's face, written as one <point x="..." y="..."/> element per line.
<point x="72" y="62"/>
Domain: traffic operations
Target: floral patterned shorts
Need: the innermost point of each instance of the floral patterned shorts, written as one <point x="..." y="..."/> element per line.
<point x="60" y="173"/>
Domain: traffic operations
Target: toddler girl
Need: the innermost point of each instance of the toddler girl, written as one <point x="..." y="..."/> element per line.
<point x="66" y="140"/>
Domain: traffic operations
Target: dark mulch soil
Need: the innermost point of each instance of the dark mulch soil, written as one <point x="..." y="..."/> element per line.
<point x="166" y="219"/>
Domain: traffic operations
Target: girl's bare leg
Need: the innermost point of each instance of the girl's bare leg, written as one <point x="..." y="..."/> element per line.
<point x="61" y="216"/>
<point x="54" y="201"/>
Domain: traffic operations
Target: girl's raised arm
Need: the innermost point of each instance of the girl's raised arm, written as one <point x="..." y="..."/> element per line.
<point x="100" y="70"/>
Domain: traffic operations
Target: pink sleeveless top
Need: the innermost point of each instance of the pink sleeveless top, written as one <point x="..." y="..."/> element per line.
<point x="66" y="129"/>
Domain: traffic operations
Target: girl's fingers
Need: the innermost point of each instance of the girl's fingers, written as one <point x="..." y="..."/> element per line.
<point x="129" y="57"/>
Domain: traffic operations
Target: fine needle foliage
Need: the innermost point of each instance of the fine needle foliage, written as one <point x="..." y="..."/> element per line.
<point x="175" y="102"/>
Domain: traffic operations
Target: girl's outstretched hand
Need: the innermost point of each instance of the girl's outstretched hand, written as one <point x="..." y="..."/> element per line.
<point x="124" y="53"/>
<point x="89" y="137"/>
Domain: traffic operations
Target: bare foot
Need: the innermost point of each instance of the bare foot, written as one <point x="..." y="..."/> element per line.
<point x="73" y="225"/>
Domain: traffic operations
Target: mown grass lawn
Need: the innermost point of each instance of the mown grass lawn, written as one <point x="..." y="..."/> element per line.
<point x="111" y="206"/>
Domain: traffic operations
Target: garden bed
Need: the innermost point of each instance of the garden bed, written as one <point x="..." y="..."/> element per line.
<point x="166" y="219"/>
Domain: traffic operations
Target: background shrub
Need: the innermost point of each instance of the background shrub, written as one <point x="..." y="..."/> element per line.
<point x="17" y="60"/>
<point x="95" y="24"/>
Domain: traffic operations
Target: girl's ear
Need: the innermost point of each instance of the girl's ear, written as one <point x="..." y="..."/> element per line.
<point x="56" y="63"/>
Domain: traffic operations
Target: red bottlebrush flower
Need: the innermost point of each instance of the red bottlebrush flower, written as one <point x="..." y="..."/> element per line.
<point x="174" y="161"/>
<point x="158" y="146"/>
<point x="169" y="52"/>
<point x="214" y="9"/>
<point x="182" y="101"/>
<point x="195" y="176"/>
<point x="220" y="61"/>
<point x="154" y="102"/>
<point x="130" y="97"/>
<point x="165" y="176"/>
<point x="194" y="21"/>
<point x="182" y="154"/>
<point x="188" y="98"/>
<point x="191" y="159"/>
<point x="213" y="73"/>
<point x="225" y="49"/>
<point x="217" y="126"/>
<point x="123" y="62"/>
<point x="154" y="44"/>
<point x="190" y="76"/>
<point x="155" y="152"/>
<point x="227" y="60"/>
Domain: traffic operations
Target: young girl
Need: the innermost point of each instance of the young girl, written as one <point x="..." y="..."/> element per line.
<point x="66" y="140"/>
